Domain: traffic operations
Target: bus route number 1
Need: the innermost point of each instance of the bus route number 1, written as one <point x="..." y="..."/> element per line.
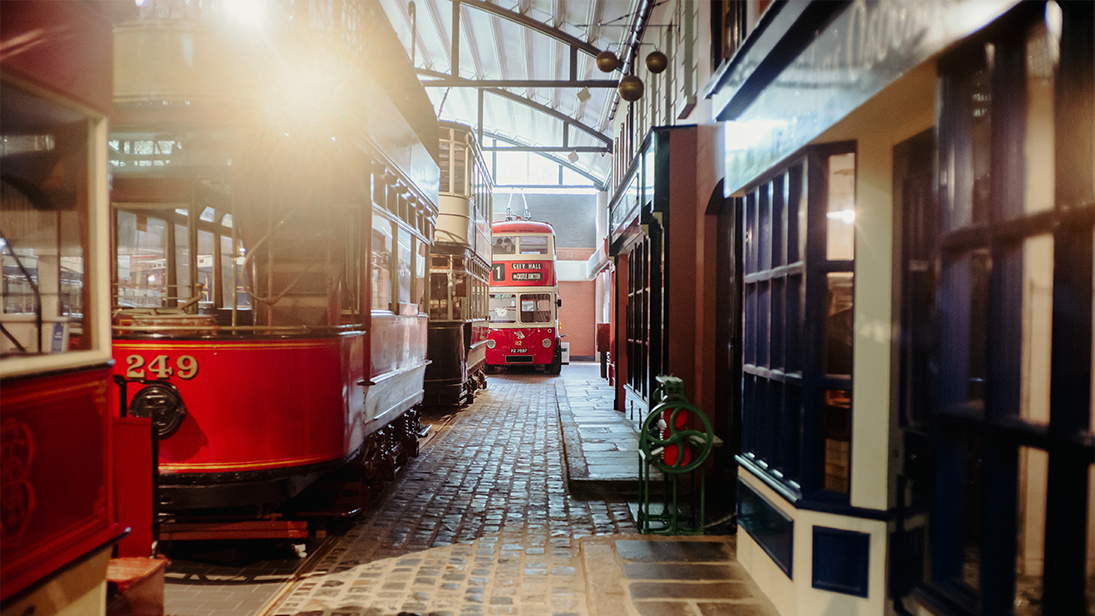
<point x="186" y="367"/>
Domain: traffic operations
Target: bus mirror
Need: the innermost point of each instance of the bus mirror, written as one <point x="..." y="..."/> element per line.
<point x="558" y="303"/>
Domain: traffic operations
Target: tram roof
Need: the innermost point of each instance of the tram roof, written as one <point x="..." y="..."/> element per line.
<point x="522" y="226"/>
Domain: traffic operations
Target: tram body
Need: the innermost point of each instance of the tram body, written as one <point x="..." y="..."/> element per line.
<point x="56" y="450"/>
<point x="273" y="215"/>
<point x="459" y="270"/>
<point x="524" y="297"/>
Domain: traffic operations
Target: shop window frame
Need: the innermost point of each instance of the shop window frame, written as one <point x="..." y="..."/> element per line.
<point x="783" y="445"/>
<point x="990" y="428"/>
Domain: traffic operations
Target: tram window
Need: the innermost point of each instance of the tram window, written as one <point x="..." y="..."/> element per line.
<point x="458" y="263"/>
<point x="534" y="244"/>
<point x="228" y="262"/>
<point x="404" y="273"/>
<point x="439" y="295"/>
<point x="459" y="295"/>
<point x="445" y="173"/>
<point x="420" y="274"/>
<point x="181" y="291"/>
<point x="459" y="169"/>
<point x="536" y="308"/>
<point x="504" y="245"/>
<point x="503" y="308"/>
<point x="439" y="261"/>
<point x="206" y="276"/>
<point x="43" y="198"/>
<point x="381" y="263"/>
<point x="142" y="248"/>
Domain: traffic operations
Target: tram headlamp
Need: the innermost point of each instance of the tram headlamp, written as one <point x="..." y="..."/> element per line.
<point x="491" y="343"/>
<point x="546" y="342"/>
<point x="161" y="402"/>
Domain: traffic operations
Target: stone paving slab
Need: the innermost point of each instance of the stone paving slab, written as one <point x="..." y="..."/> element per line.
<point x="652" y="575"/>
<point x="602" y="445"/>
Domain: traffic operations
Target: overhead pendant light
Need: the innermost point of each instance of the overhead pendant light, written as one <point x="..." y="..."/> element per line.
<point x="607" y="61"/>
<point x="584" y="95"/>
<point x="572" y="157"/>
<point x="631" y="88"/>
<point x="656" y="62"/>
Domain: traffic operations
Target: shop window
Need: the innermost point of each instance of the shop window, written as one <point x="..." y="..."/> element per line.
<point x="1012" y="447"/>
<point x="798" y="315"/>
<point x="644" y="326"/>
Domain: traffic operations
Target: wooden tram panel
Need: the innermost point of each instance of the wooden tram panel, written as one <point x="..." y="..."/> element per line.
<point x="250" y="529"/>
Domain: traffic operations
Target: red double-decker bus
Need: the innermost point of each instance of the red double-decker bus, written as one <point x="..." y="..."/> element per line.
<point x="524" y="297"/>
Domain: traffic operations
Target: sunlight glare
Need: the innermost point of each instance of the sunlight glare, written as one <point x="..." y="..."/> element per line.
<point x="247" y="13"/>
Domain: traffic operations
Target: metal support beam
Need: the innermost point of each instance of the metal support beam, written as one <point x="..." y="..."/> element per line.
<point x="581" y="149"/>
<point x="455" y="70"/>
<point x="598" y="183"/>
<point x="558" y="115"/>
<point x="479" y="124"/>
<point x="448" y="82"/>
<point x="532" y="24"/>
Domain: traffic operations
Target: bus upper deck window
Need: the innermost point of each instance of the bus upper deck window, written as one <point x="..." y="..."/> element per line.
<point x="534" y="245"/>
<point x="504" y="245"/>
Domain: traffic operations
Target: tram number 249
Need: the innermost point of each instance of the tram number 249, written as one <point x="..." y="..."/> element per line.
<point x="186" y="367"/>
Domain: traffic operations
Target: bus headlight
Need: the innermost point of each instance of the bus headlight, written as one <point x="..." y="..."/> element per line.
<point x="491" y="343"/>
<point x="546" y="342"/>
<point x="163" y="404"/>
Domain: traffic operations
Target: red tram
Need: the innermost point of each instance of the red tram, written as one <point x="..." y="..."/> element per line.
<point x="274" y="201"/>
<point x="524" y="296"/>
<point x="57" y="505"/>
<point x="459" y="267"/>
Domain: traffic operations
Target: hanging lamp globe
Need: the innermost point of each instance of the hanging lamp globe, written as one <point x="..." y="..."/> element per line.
<point x="656" y="62"/>
<point x="631" y="88"/>
<point x="607" y="61"/>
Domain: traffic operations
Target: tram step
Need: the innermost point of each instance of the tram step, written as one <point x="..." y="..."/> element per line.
<point x="252" y="529"/>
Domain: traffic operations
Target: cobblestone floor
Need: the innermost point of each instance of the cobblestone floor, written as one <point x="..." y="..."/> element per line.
<point x="480" y="523"/>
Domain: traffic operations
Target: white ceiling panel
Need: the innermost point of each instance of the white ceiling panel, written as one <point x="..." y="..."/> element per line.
<point x="500" y="47"/>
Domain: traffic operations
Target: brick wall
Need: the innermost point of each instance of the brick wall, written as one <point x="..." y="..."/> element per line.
<point x="577" y="317"/>
<point x="573" y="254"/>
